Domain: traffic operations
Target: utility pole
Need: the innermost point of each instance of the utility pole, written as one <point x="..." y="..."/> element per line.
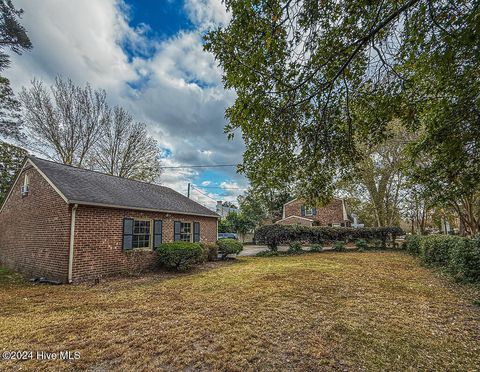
<point x="188" y="190"/>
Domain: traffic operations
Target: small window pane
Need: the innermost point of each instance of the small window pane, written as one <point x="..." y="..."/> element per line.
<point x="186" y="231"/>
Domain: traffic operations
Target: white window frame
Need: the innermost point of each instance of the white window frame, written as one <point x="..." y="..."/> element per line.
<point x="308" y="211"/>
<point x="190" y="233"/>
<point x="150" y="238"/>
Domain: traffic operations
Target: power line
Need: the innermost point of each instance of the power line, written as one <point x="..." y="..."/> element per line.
<point x="199" y="166"/>
<point x="220" y="187"/>
<point x="194" y="188"/>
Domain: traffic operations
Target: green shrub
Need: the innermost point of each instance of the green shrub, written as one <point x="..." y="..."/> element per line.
<point x="295" y="248"/>
<point x="464" y="261"/>
<point x="459" y="256"/>
<point x="210" y="251"/>
<point x="361" y="245"/>
<point x="274" y="235"/>
<point x="339" y="246"/>
<point x="412" y="244"/>
<point x="435" y="249"/>
<point x="316" y="248"/>
<point x="179" y="255"/>
<point x="229" y="246"/>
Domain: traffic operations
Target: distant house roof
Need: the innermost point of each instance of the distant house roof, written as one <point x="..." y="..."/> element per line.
<point x="81" y="186"/>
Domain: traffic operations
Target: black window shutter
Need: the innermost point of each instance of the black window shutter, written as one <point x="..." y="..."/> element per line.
<point x="176" y="230"/>
<point x="303" y="210"/>
<point x="314" y="211"/>
<point x="127" y="234"/>
<point x="157" y="233"/>
<point x="196" y="231"/>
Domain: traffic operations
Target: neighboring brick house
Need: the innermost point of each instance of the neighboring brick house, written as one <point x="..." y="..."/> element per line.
<point x="296" y="212"/>
<point x="72" y="225"/>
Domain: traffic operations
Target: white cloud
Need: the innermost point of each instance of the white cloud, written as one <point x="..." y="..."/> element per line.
<point x="206" y="183"/>
<point x="81" y="42"/>
<point x="180" y="93"/>
<point x="207" y="13"/>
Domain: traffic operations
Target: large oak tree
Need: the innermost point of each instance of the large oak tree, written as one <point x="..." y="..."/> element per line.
<point x="298" y="66"/>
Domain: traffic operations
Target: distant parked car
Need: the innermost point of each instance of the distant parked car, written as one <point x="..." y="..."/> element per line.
<point x="227" y="236"/>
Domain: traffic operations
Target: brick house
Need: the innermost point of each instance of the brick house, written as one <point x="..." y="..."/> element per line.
<point x="71" y="224"/>
<point x="296" y="212"/>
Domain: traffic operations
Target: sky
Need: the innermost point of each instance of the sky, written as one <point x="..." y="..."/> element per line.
<point x="148" y="56"/>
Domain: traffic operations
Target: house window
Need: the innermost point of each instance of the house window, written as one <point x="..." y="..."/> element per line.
<point x="308" y="211"/>
<point x="141" y="234"/>
<point x="25" y="187"/>
<point x="185" y="231"/>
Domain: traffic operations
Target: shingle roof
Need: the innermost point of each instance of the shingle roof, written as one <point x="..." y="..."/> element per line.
<point x="81" y="186"/>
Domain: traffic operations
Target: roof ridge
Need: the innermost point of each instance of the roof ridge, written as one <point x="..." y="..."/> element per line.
<point x="95" y="171"/>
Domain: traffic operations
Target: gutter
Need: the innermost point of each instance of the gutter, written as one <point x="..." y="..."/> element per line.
<point x="72" y="241"/>
<point x="93" y="204"/>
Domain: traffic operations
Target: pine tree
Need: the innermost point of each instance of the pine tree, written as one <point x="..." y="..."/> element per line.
<point x="13" y="37"/>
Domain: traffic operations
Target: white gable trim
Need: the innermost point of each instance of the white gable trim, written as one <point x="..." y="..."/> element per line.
<point x="291" y="201"/>
<point x="30" y="163"/>
<point x="302" y="218"/>
<point x="49" y="181"/>
<point x="14" y="184"/>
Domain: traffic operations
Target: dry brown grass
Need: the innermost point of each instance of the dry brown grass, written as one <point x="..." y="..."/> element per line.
<point x="326" y="311"/>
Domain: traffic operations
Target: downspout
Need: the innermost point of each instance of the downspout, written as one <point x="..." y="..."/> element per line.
<point x="72" y="241"/>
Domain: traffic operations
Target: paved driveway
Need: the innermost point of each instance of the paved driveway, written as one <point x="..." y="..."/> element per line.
<point x="252" y="250"/>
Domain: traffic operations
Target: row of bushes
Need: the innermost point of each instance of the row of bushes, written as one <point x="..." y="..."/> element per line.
<point x="459" y="256"/>
<point x="274" y="235"/>
<point x="181" y="256"/>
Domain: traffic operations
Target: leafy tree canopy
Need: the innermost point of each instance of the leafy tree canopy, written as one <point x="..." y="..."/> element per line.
<point x="299" y="66"/>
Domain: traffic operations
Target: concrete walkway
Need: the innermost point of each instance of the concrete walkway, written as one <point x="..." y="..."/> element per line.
<point x="252" y="250"/>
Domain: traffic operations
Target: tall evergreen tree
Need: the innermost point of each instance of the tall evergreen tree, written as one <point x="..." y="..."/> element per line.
<point x="13" y="37"/>
<point x="11" y="159"/>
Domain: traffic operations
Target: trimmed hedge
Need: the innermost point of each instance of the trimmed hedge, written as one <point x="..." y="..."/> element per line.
<point x="412" y="244"/>
<point x="179" y="255"/>
<point x="458" y="256"/>
<point x="465" y="261"/>
<point x="229" y="246"/>
<point x="274" y="235"/>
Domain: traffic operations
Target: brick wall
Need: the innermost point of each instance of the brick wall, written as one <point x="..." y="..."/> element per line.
<point x="35" y="230"/>
<point x="98" y="241"/>
<point x="332" y="213"/>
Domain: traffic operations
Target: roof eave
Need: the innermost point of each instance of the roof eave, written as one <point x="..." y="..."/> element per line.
<point x="92" y="204"/>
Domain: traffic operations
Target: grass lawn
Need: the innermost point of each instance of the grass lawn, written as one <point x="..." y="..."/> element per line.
<point x="325" y="311"/>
